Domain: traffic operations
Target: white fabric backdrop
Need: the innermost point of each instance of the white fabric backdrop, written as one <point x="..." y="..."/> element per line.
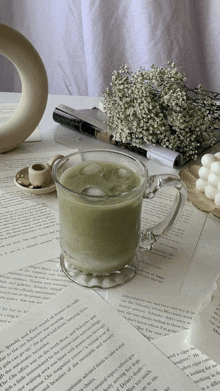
<point x="82" y="41"/>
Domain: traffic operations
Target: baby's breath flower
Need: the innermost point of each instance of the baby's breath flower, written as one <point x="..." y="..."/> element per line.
<point x="157" y="107"/>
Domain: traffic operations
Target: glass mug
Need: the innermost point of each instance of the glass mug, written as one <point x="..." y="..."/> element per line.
<point x="100" y="195"/>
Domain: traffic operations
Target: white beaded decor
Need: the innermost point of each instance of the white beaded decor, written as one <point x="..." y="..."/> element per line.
<point x="209" y="177"/>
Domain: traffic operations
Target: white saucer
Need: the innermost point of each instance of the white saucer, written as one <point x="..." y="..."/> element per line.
<point x="23" y="175"/>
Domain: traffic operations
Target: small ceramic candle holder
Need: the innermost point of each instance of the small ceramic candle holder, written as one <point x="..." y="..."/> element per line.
<point x="40" y="174"/>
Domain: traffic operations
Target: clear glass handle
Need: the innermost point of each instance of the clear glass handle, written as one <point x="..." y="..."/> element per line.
<point x="155" y="183"/>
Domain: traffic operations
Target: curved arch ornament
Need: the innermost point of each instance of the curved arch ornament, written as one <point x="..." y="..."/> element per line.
<point x="17" y="49"/>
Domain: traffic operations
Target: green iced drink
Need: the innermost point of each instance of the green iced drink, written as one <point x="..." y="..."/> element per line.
<point x="100" y="215"/>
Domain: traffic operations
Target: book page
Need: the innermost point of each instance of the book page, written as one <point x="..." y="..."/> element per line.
<point x="205" y="265"/>
<point x="11" y="165"/>
<point x="201" y="369"/>
<point x="154" y="315"/>
<point x="205" y="329"/>
<point x="29" y="233"/>
<point x="25" y="289"/>
<point x="7" y="110"/>
<point x="166" y="265"/>
<point x="75" y="341"/>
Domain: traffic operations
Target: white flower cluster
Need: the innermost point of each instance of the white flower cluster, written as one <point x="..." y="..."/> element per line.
<point x="209" y="177"/>
<point x="156" y="107"/>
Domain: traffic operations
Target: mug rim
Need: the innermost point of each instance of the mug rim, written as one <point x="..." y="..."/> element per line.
<point x="89" y="196"/>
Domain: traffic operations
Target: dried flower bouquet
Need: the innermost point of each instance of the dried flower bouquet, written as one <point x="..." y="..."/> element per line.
<point x="157" y="107"/>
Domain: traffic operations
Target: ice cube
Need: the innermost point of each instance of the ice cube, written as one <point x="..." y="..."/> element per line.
<point x="119" y="189"/>
<point x="122" y="173"/>
<point x="91" y="168"/>
<point x="108" y="175"/>
<point x="116" y="173"/>
<point x="93" y="191"/>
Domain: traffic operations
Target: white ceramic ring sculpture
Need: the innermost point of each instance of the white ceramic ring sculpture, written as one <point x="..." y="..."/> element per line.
<point x="15" y="47"/>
